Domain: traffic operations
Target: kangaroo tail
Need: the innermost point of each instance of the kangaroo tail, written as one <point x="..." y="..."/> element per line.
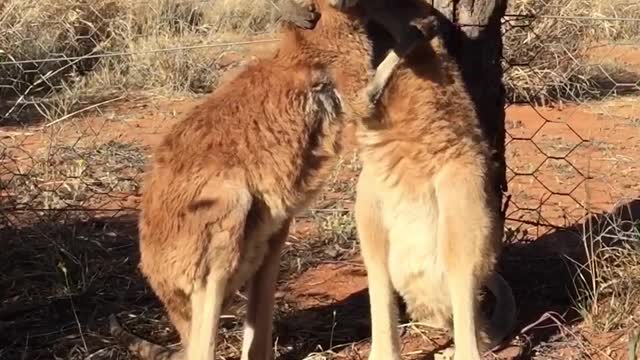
<point x="503" y="318"/>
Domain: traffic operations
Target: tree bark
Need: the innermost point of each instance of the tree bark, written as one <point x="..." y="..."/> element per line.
<point x="471" y="33"/>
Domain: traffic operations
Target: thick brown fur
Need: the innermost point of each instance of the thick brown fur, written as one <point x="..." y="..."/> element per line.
<point x="226" y="181"/>
<point x="399" y="20"/>
<point x="428" y="221"/>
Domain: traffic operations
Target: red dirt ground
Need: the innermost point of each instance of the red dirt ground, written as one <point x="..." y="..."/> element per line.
<point x="610" y="159"/>
<point x="600" y="139"/>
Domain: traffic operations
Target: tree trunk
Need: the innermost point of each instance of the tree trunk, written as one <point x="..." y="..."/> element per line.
<point x="471" y="32"/>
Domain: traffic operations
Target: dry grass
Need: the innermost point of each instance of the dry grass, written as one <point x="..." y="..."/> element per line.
<point x="71" y="176"/>
<point x="551" y="54"/>
<point x="91" y="30"/>
<point x="585" y="281"/>
<point x="63" y="272"/>
<point x="81" y="30"/>
<point x="609" y="282"/>
<point x="66" y="266"/>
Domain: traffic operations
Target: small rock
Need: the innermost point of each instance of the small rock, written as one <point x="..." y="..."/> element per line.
<point x="509" y="353"/>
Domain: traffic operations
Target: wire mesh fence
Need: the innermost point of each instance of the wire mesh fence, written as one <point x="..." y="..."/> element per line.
<point x="82" y="88"/>
<point x="86" y="87"/>
<point x="572" y="75"/>
<point x="67" y="60"/>
<point x="59" y="56"/>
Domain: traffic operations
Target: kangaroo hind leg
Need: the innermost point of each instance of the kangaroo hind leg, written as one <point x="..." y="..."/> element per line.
<point x="385" y="340"/>
<point x="219" y="216"/>
<point x="466" y="227"/>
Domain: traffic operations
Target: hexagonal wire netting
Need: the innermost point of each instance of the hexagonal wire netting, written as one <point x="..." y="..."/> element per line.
<point x="65" y="60"/>
<point x="75" y="78"/>
<point x="572" y="74"/>
<point x="62" y="63"/>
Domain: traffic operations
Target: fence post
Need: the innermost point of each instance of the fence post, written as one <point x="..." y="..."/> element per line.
<point x="472" y="34"/>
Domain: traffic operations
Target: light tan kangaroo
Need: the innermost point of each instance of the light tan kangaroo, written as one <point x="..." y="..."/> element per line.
<point x="226" y="181"/>
<point x="428" y="221"/>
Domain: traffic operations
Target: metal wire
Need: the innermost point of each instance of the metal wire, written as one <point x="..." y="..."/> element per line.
<point x="134" y="53"/>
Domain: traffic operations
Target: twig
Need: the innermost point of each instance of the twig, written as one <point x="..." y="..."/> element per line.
<point x="633" y="346"/>
<point x="590" y="18"/>
<point x="4" y="134"/>
<point x="81" y="111"/>
<point x="548" y="315"/>
<point x="73" y="307"/>
<point x="536" y="223"/>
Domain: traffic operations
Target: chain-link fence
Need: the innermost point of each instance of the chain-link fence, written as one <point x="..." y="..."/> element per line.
<point x="87" y="87"/>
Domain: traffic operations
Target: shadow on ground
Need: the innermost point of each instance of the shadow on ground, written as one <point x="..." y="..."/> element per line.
<point x="541" y="272"/>
<point x="59" y="280"/>
<point x="330" y="326"/>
